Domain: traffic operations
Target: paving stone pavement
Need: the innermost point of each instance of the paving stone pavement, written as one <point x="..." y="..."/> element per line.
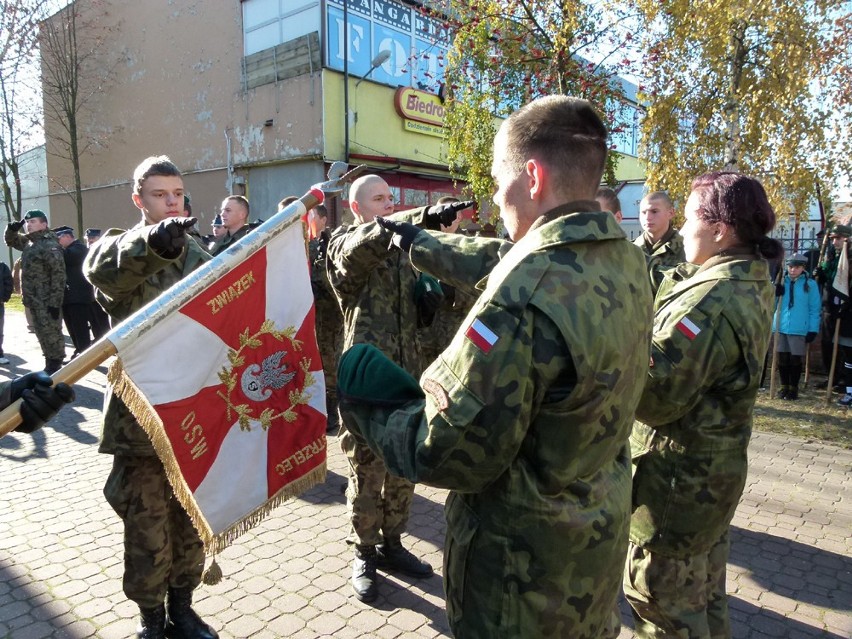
<point x="790" y="573"/>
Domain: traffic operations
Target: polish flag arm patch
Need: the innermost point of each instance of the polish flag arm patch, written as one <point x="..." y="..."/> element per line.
<point x="688" y="328"/>
<point x="482" y="336"/>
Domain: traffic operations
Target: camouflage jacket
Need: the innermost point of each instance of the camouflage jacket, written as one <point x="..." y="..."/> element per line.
<point x="226" y="240"/>
<point x="374" y="285"/>
<point x="711" y="332"/>
<point x="42" y="267"/>
<point x="126" y="275"/>
<point x="665" y="254"/>
<point x="526" y="419"/>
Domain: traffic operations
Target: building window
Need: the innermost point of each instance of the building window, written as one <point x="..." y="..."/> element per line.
<point x="268" y="23"/>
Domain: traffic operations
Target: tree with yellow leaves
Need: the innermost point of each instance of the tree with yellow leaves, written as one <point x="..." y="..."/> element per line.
<point x="755" y="87"/>
<point x="508" y="52"/>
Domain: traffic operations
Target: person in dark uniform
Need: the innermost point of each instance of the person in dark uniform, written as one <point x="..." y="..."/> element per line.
<point x="79" y="294"/>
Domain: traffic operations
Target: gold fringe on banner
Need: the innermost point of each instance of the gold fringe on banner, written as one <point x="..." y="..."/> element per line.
<point x="148" y="418"/>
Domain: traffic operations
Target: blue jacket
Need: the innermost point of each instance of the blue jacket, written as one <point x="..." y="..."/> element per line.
<point x="803" y="317"/>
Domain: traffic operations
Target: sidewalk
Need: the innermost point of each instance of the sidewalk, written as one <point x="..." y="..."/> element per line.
<point x="61" y="545"/>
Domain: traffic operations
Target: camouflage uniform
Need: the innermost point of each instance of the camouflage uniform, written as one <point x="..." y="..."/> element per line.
<point x="711" y="331"/>
<point x="42" y="286"/>
<point x="530" y="433"/>
<point x="437" y="336"/>
<point x="375" y="291"/>
<point x="666" y="253"/>
<point x="329" y="322"/>
<point x="217" y="246"/>
<point x="161" y="547"/>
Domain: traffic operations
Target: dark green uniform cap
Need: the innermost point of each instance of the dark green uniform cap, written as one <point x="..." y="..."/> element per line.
<point x="35" y="213"/>
<point x="426" y="283"/>
<point x="842" y="230"/>
<point x="366" y="375"/>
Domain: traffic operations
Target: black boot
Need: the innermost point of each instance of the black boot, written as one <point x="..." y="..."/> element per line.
<point x="52" y="365"/>
<point x="783" y="375"/>
<point x="183" y="622"/>
<point x="795" y="375"/>
<point x="392" y="556"/>
<point x="152" y="623"/>
<point x="364" y="574"/>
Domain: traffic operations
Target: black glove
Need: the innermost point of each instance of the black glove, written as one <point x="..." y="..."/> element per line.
<point x="169" y="236"/>
<point x="403" y="232"/>
<point x="16" y="226"/>
<point x="40" y="401"/>
<point x="811" y="336"/>
<point x="53" y="311"/>
<point x="779" y="290"/>
<point x="444" y="214"/>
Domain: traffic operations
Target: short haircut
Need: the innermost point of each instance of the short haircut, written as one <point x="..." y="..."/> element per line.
<point x="356" y="188"/>
<point x="565" y="134"/>
<point x="740" y="202"/>
<point x="609" y="196"/>
<point x="447" y="199"/>
<point x="321" y="210"/>
<point x="660" y="195"/>
<point x="242" y="200"/>
<point x="153" y="165"/>
<point x="287" y="201"/>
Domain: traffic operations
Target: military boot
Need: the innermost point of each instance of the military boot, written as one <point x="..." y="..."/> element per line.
<point x="183" y="622"/>
<point x="52" y="365"/>
<point x="152" y="623"/>
<point x="364" y="574"/>
<point x="392" y="556"/>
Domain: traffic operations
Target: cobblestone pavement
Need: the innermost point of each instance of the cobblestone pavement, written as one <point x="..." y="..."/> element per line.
<point x="790" y="573"/>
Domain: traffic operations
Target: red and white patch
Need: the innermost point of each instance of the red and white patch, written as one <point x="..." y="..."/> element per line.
<point x="482" y="336"/>
<point x="688" y="328"/>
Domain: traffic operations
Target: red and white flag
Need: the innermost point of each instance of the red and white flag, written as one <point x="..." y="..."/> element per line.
<point x="230" y="389"/>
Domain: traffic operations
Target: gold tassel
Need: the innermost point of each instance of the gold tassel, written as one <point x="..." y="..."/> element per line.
<point x="213" y="574"/>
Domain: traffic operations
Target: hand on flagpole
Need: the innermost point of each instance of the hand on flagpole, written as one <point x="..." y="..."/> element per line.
<point x="169" y="236"/>
<point x="40" y="401"/>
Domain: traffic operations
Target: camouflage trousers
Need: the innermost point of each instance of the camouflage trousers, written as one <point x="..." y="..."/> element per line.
<point x="49" y="332"/>
<point x="682" y="598"/>
<point x="377" y="501"/>
<point x="161" y="547"/>
<point x="329" y="348"/>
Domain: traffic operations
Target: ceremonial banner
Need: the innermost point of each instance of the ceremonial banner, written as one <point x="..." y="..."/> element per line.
<point x="229" y="387"/>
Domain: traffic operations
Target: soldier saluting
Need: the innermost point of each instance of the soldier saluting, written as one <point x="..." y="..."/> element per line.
<point x="525" y="416"/>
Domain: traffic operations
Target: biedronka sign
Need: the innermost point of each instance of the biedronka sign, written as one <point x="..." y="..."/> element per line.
<point x="421" y="112"/>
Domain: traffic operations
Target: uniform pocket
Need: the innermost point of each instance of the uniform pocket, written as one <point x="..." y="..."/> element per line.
<point x="115" y="489"/>
<point x="462" y="525"/>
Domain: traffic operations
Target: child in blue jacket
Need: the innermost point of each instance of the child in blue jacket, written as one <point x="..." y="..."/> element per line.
<point x="799" y="323"/>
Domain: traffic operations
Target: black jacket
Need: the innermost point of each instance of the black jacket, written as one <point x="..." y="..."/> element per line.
<point x="77" y="287"/>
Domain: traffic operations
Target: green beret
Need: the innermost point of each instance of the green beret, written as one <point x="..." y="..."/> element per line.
<point x="842" y="230"/>
<point x="366" y="375"/>
<point x="34" y="213"/>
<point x="425" y="284"/>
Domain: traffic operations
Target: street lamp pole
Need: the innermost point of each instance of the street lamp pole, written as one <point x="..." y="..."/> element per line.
<point x="346" y="81"/>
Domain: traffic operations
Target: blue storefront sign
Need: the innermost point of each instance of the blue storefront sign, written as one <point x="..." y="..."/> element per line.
<point x="417" y="42"/>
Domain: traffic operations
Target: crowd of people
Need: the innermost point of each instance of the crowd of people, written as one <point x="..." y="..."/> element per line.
<point x="587" y="401"/>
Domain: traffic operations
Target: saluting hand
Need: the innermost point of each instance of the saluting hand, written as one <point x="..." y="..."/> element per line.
<point x="403" y="232"/>
<point x="446" y="214"/>
<point x="169" y="236"/>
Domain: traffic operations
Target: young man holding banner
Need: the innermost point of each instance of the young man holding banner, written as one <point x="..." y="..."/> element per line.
<point x="163" y="553"/>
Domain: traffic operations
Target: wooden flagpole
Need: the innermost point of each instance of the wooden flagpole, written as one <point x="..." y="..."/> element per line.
<point x="773" y="369"/>
<point x="183" y="291"/>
